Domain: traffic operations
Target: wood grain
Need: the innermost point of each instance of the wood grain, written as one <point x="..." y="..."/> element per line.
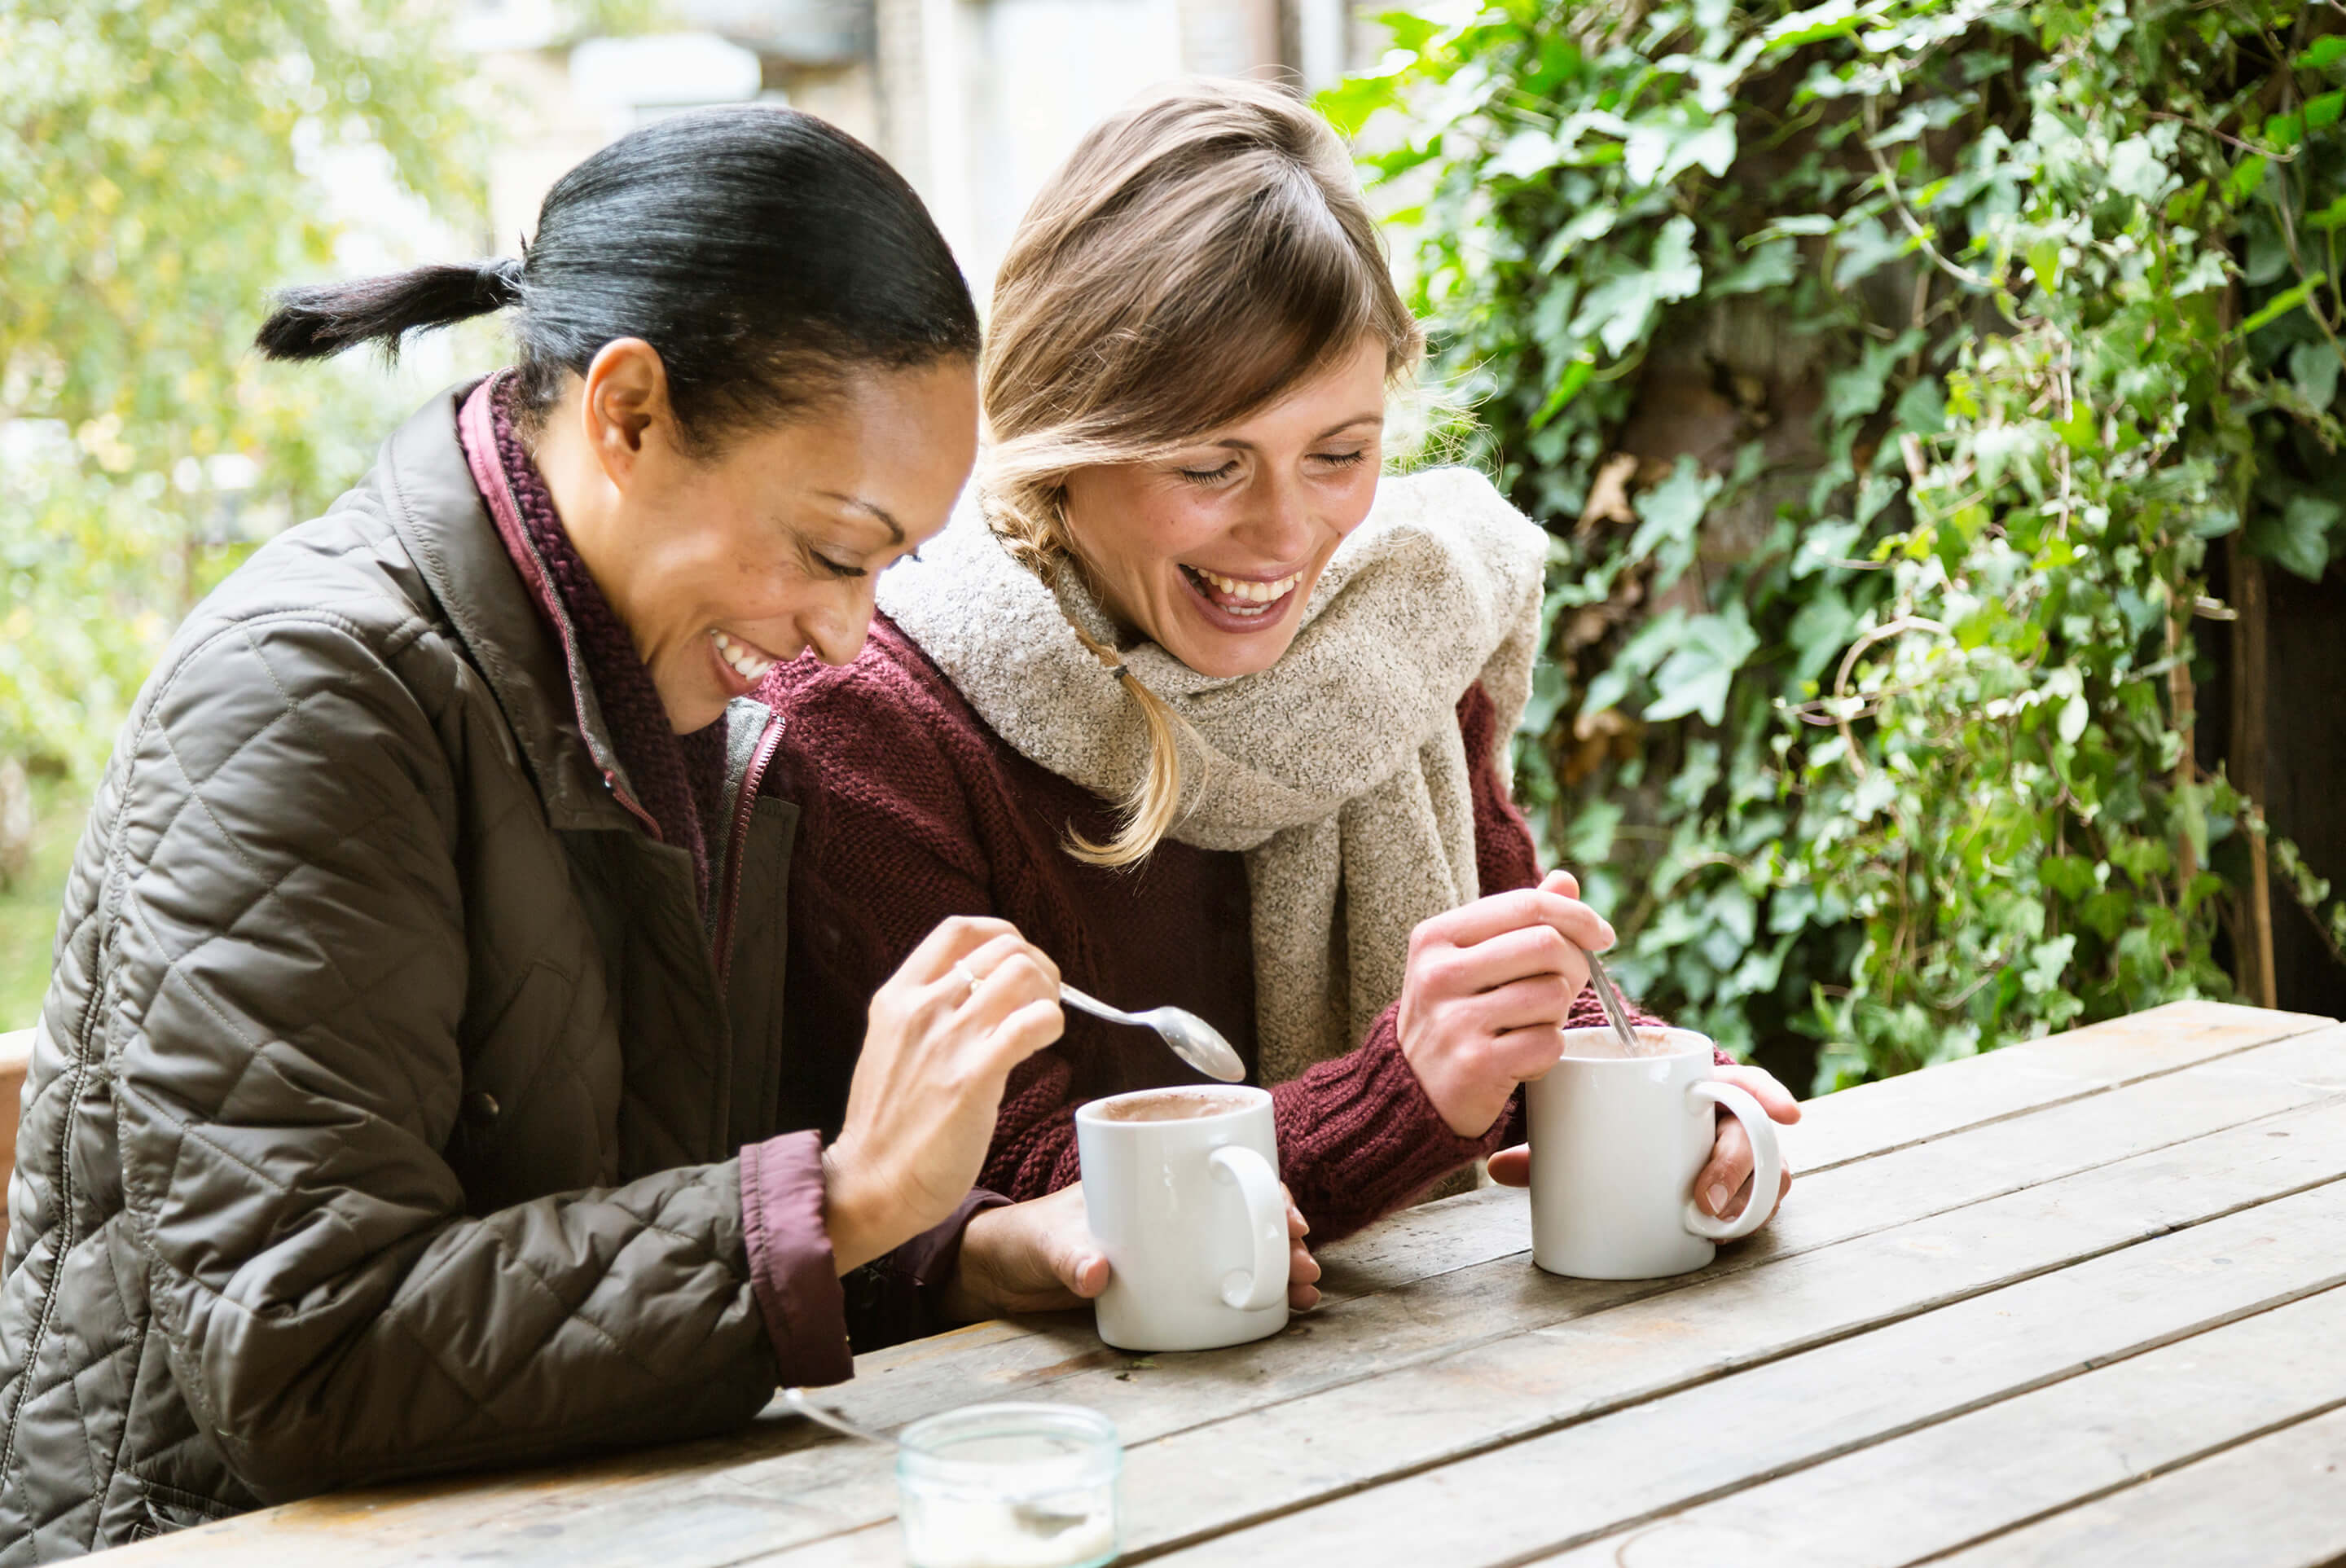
<point x="1649" y="1460"/>
<point x="2275" y="1502"/>
<point x="1949" y="1486"/>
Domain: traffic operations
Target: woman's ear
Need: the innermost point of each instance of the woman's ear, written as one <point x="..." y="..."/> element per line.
<point x="625" y="406"/>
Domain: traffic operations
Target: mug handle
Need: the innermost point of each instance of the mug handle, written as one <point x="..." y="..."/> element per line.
<point x="1766" y="1164"/>
<point x="1266" y="1219"/>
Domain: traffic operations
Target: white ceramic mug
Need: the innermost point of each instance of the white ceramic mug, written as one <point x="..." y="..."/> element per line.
<point x="1191" y="1216"/>
<point x="1617" y="1143"/>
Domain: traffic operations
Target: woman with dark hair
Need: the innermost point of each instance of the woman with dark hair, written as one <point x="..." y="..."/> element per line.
<point x="409" y="1095"/>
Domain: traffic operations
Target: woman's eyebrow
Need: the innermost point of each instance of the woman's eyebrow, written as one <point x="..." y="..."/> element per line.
<point x="895" y="529"/>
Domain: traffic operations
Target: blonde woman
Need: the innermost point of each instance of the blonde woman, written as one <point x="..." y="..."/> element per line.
<point x="1214" y="713"/>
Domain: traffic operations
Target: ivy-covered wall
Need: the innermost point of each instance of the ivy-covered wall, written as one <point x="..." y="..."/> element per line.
<point x="1898" y="381"/>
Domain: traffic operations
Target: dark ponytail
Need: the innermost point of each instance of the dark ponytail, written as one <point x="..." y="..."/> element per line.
<point x="763" y="252"/>
<point x="315" y="324"/>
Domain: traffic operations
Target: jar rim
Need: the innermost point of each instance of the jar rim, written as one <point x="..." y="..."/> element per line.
<point x="1097" y="1454"/>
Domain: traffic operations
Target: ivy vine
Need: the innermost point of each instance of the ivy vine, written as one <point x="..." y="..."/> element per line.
<point x="1885" y="372"/>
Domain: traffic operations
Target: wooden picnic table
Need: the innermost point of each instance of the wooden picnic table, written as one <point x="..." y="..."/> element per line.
<point x="2075" y="1302"/>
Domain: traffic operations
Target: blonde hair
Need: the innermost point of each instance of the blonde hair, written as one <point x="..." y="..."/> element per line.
<point x="1201" y="254"/>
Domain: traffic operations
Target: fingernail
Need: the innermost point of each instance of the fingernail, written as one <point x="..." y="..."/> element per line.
<point x="1718" y="1196"/>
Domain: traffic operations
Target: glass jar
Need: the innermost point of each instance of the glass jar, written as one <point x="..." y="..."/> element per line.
<point x="1009" y="1486"/>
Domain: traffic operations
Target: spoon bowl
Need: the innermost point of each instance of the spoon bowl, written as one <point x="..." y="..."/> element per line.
<point x="1194" y="1040"/>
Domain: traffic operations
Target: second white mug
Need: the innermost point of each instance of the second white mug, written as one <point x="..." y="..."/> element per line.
<point x="1617" y="1143"/>
<point x="1188" y="1209"/>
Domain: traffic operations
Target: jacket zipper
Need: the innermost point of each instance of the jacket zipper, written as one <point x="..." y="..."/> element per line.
<point x="738" y="843"/>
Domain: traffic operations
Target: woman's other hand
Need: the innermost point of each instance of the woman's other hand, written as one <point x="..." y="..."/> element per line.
<point x="1039" y="1256"/>
<point x="1488" y="988"/>
<point x="1723" y="1186"/>
<point x="973" y="1000"/>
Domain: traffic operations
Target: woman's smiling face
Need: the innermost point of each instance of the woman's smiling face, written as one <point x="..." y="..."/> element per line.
<point x="723" y="565"/>
<point x="1211" y="551"/>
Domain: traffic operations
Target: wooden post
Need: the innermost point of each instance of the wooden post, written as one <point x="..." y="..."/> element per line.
<point x="2253" y="961"/>
<point x="2184" y="702"/>
<point x="15" y="1053"/>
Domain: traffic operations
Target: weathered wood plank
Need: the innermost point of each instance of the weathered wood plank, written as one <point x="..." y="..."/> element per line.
<point x="829" y="1486"/>
<point x="2277" y="1502"/>
<point x="1949" y="1486"/>
<point x="1875" y="1118"/>
<point x="1199" y="1482"/>
<point x="1648" y="1459"/>
<point x="1436" y="1314"/>
<point x="1273" y="1460"/>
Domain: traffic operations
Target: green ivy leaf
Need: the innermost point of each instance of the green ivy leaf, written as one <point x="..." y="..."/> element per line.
<point x="1618" y="310"/>
<point x="1922" y="408"/>
<point x="2297" y="536"/>
<point x="2314" y="367"/>
<point x="2324" y="110"/>
<point x="1774" y="264"/>
<point x="1865" y="246"/>
<point x="1857" y="391"/>
<point x="2136" y="170"/>
<point x="1696" y="677"/>
<point x="1670" y="519"/>
<point x="2245" y="177"/>
<point x="1819" y="632"/>
<point x="2322" y="54"/>
<point x="2069" y="876"/>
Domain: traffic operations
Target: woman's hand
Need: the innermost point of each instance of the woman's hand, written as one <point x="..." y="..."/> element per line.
<point x="1039" y="1256"/>
<point x="973" y="1000"/>
<point x="1488" y="988"/>
<point x="1724" y="1185"/>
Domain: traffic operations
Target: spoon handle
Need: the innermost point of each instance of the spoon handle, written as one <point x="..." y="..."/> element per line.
<point x="1615" y="1012"/>
<point x="1093" y="1005"/>
<point x="824" y="1416"/>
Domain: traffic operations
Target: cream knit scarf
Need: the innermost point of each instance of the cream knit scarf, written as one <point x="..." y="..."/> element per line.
<point x="1340" y="771"/>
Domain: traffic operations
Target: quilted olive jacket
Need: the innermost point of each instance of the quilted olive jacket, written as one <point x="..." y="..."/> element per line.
<point x="382" y="1109"/>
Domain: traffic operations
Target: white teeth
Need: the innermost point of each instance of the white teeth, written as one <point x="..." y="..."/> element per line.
<point x="1253" y="593"/>
<point x="749" y="666"/>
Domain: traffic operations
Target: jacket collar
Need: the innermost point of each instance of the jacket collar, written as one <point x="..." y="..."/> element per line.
<point x="439" y="515"/>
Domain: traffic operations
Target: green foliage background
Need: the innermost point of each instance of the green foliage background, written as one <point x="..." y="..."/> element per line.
<point x="164" y="164"/>
<point x="161" y="167"/>
<point x="1993" y="318"/>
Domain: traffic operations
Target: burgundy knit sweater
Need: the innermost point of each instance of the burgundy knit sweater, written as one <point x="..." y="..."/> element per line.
<point x="912" y="810"/>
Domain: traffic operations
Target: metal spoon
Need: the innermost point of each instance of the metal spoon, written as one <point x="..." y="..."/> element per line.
<point x="824" y="1416"/>
<point x="1193" y="1039"/>
<point x="1610" y="998"/>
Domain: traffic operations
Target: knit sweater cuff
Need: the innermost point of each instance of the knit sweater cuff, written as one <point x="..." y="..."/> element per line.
<point x="1359" y="1136"/>
<point x="791" y="1269"/>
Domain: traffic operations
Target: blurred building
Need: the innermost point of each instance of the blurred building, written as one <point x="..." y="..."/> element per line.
<point x="975" y="100"/>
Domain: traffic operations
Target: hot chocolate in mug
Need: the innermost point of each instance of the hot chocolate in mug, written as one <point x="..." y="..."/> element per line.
<point x="1181" y="1190"/>
<point x="1617" y="1143"/>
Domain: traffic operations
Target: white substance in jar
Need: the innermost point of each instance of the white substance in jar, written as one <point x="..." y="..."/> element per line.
<point x="1009" y="1486"/>
<point x="1065" y="1531"/>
